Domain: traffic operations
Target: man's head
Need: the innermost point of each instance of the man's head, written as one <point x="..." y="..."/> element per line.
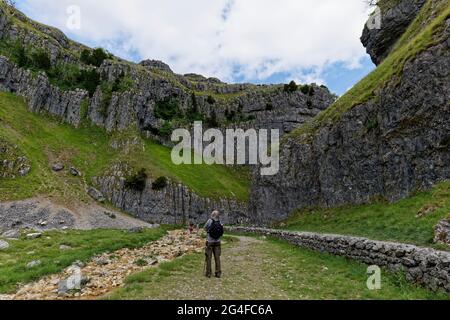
<point x="215" y="215"/>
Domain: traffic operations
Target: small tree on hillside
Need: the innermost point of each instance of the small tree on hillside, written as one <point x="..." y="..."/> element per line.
<point x="11" y="5"/>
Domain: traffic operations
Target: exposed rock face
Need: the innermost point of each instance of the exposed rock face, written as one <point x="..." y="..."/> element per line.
<point x="95" y="194"/>
<point x="255" y="106"/>
<point x="40" y="95"/>
<point x="152" y="82"/>
<point x="260" y="106"/>
<point x="421" y="265"/>
<point x="174" y="204"/>
<point x="388" y="147"/>
<point x="442" y="232"/>
<point x="156" y="64"/>
<point x="57" y="44"/>
<point x="394" y="21"/>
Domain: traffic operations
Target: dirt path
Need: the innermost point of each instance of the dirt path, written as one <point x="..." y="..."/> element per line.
<point x="244" y="277"/>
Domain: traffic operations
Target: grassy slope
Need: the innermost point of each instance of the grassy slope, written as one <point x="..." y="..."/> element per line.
<point x="273" y="270"/>
<point x="420" y="35"/>
<point x="43" y="140"/>
<point x="85" y="245"/>
<point x="383" y="221"/>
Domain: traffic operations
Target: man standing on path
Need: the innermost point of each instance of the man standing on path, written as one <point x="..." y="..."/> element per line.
<point x="213" y="245"/>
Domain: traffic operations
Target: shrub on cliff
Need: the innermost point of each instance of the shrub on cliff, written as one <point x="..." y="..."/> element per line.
<point x="167" y="109"/>
<point x="89" y="80"/>
<point x="159" y="183"/>
<point x="165" y="130"/>
<point x="19" y="55"/>
<point x="291" y="87"/>
<point x="211" y="100"/>
<point x="94" y="58"/>
<point x="304" y="89"/>
<point x="137" y="181"/>
<point x="41" y="60"/>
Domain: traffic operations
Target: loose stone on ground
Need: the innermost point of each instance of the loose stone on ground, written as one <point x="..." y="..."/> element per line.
<point x="108" y="271"/>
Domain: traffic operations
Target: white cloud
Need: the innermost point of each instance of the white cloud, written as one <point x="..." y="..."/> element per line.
<point x="212" y="37"/>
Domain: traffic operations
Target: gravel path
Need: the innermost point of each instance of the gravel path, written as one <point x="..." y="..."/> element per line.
<point x="244" y="278"/>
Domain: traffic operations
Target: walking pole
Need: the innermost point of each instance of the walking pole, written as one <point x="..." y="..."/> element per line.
<point x="204" y="266"/>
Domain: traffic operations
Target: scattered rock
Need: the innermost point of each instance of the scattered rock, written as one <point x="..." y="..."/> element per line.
<point x="4" y="245"/>
<point x="96" y="278"/>
<point x="34" y="264"/>
<point x="64" y="247"/>
<point x="63" y="287"/>
<point x="96" y="194"/>
<point x="16" y="223"/>
<point x="73" y="171"/>
<point x="427" y="210"/>
<point x="11" y="234"/>
<point x="42" y="223"/>
<point x="24" y="170"/>
<point x="137" y="230"/>
<point x="442" y="232"/>
<point x="102" y="261"/>
<point x="32" y="236"/>
<point x="78" y="264"/>
<point x="110" y="214"/>
<point x="58" y="167"/>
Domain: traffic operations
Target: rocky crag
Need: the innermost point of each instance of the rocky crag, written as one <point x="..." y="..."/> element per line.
<point x="395" y="19"/>
<point x="172" y="204"/>
<point x="148" y="98"/>
<point x="150" y="83"/>
<point x="387" y="138"/>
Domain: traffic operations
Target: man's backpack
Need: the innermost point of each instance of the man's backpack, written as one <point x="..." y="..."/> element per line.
<point x="216" y="230"/>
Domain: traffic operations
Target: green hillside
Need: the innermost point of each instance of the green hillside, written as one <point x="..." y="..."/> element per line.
<point x="44" y="139"/>
<point x="410" y="220"/>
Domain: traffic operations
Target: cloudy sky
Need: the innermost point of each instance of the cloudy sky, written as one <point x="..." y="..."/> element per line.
<point x="258" y="41"/>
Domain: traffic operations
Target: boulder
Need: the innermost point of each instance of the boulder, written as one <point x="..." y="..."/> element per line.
<point x="4" y="245"/>
<point x="73" y="171"/>
<point x="24" y="170"/>
<point x="110" y="214"/>
<point x="442" y="232"/>
<point x="137" y="230"/>
<point x="32" y="236"/>
<point x="11" y="234"/>
<point x="34" y="264"/>
<point x="96" y="194"/>
<point x="58" y="167"/>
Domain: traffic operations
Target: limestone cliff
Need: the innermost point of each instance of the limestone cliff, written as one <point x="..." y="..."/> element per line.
<point x="388" y="137"/>
<point x="396" y="16"/>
